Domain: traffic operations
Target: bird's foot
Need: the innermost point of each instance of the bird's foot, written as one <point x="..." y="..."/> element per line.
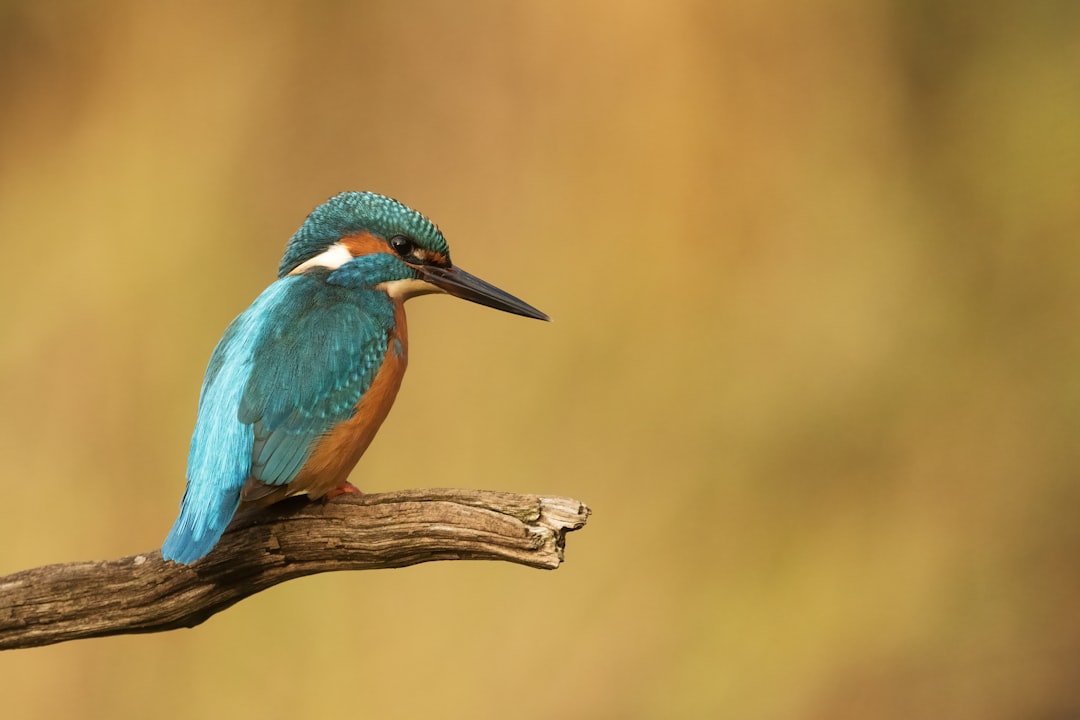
<point x="345" y="488"/>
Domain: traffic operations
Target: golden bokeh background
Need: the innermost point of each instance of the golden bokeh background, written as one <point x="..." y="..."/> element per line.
<point x="815" y="275"/>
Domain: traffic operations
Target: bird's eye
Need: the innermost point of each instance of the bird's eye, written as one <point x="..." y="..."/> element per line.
<point x="402" y="245"/>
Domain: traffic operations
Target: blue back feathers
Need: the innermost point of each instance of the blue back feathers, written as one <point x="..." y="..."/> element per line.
<point x="351" y="213"/>
<point x="220" y="457"/>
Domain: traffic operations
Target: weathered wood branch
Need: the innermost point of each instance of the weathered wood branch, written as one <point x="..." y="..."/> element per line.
<point x="143" y="593"/>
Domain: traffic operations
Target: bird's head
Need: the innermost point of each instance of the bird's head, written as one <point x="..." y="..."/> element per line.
<point x="411" y="256"/>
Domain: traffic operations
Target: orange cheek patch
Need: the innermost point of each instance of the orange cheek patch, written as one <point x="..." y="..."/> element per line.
<point x="436" y="258"/>
<point x="364" y="244"/>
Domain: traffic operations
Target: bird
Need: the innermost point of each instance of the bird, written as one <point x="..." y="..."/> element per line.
<point x="301" y="381"/>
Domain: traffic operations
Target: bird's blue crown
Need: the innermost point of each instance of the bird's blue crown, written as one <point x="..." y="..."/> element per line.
<point x="350" y="213"/>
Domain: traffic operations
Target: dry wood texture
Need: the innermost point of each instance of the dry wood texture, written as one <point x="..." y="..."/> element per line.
<point x="143" y="593"/>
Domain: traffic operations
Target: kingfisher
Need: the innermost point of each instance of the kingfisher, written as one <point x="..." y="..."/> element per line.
<point x="300" y="382"/>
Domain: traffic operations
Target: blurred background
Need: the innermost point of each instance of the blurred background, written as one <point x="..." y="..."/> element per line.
<point x="814" y="270"/>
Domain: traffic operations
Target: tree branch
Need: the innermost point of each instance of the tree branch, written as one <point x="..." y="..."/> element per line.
<point x="143" y="593"/>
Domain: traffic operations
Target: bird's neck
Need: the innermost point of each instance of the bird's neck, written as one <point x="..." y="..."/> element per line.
<point x="400" y="331"/>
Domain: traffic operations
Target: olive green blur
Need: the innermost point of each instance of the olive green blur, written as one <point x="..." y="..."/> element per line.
<point x="814" y="270"/>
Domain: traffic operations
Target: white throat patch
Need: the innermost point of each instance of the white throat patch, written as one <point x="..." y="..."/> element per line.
<point x="332" y="257"/>
<point x="405" y="289"/>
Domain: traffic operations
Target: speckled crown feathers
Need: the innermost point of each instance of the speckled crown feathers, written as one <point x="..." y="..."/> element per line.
<point x="350" y="213"/>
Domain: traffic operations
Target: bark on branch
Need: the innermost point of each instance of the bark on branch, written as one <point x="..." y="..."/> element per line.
<point x="143" y="593"/>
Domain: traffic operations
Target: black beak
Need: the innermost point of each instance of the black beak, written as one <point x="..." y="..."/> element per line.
<point x="459" y="283"/>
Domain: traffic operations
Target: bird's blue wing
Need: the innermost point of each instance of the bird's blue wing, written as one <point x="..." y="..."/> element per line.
<point x="290" y="368"/>
<point x="309" y="376"/>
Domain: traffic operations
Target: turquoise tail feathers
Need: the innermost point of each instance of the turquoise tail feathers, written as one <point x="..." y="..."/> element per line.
<point x="198" y="529"/>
